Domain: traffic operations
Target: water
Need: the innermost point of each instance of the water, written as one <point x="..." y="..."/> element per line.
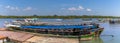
<point x="2" y="21"/>
<point x="110" y="29"/>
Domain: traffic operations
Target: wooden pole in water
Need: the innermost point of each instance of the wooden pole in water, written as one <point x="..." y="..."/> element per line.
<point x="3" y="40"/>
<point x="79" y="36"/>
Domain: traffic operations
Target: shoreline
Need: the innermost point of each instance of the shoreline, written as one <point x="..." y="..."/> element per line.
<point x="59" y="17"/>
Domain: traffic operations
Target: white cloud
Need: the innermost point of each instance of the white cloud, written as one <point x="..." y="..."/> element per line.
<point x="12" y="8"/>
<point x="76" y="8"/>
<point x="27" y="9"/>
<point x="72" y="8"/>
<point x="88" y="9"/>
<point x="80" y="8"/>
<point x="7" y="6"/>
<point x="18" y="8"/>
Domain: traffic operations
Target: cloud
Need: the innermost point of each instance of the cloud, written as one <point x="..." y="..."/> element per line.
<point x="27" y="9"/>
<point x="80" y="8"/>
<point x="72" y="8"/>
<point x="76" y="8"/>
<point x="7" y="7"/>
<point x="17" y="8"/>
<point x="88" y="9"/>
<point x="12" y="8"/>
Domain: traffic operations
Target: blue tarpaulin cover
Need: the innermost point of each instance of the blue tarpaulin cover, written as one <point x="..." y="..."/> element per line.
<point x="58" y="27"/>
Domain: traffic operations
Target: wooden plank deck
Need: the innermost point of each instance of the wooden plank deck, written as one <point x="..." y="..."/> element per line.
<point x="3" y="29"/>
<point x="18" y="36"/>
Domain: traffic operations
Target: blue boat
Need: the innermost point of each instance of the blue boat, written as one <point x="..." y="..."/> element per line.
<point x="65" y="29"/>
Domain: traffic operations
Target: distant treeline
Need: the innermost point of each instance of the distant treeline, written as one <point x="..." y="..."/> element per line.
<point x="65" y="17"/>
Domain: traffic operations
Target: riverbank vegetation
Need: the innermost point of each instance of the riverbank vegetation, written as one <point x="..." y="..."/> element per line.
<point x="55" y="16"/>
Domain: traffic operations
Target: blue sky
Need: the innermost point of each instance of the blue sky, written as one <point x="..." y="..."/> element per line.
<point x="60" y="7"/>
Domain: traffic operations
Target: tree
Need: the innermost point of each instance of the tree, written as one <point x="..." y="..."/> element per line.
<point x="55" y="15"/>
<point x="35" y="15"/>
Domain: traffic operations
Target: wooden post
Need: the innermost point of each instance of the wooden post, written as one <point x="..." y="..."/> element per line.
<point x="3" y="41"/>
<point x="79" y="36"/>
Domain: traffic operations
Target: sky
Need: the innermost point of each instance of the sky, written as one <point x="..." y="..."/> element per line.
<point x="60" y="7"/>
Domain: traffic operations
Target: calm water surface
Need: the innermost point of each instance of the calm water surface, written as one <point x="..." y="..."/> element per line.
<point x="110" y="29"/>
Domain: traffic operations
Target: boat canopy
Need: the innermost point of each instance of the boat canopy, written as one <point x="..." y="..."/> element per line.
<point x="59" y="27"/>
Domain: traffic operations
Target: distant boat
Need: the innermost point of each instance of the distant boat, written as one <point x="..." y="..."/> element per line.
<point x="112" y="22"/>
<point x="59" y="19"/>
<point x="19" y="22"/>
<point x="7" y="24"/>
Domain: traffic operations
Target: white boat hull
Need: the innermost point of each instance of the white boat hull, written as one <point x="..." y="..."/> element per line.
<point x="10" y="25"/>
